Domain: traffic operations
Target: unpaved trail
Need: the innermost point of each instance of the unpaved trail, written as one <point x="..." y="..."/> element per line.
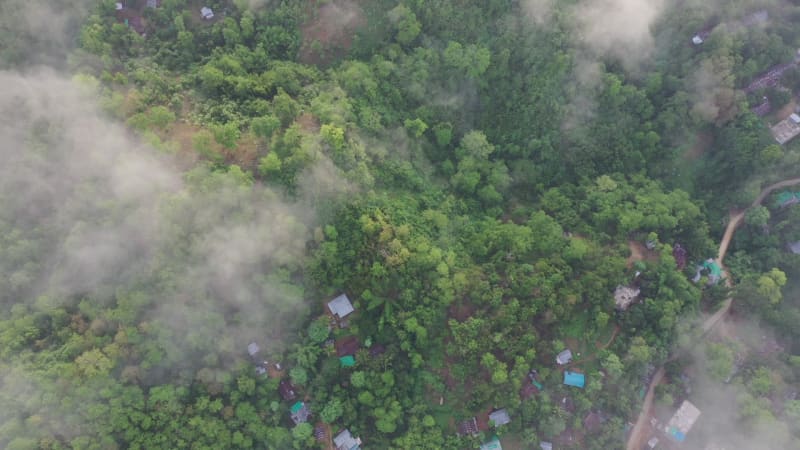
<point x="638" y="435"/>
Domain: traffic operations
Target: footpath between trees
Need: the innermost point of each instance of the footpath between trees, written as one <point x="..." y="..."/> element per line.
<point x="637" y="436"/>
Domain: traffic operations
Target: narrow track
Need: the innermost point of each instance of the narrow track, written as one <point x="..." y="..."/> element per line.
<point x="637" y="436"/>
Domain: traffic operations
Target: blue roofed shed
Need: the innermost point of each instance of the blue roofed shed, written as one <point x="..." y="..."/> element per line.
<point x="574" y="379"/>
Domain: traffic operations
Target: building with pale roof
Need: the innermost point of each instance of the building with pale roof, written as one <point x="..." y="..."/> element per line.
<point x="682" y="421"/>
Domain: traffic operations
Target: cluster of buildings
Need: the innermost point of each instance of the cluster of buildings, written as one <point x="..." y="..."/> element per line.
<point x="130" y="13"/>
<point x="300" y="411"/>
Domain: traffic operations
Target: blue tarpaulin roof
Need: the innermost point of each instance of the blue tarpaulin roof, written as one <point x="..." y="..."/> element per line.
<point x="574" y="379"/>
<point x="677" y="434"/>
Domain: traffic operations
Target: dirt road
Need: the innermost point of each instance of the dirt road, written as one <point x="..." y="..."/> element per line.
<point x="638" y="435"/>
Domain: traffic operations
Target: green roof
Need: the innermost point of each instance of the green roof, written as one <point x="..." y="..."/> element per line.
<point x="347" y="361"/>
<point x="713" y="268"/>
<point x="494" y="444"/>
<point x="787" y="197"/>
<point x="297" y="407"/>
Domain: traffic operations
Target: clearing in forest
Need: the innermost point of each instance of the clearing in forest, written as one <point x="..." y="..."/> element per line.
<point x="328" y="32"/>
<point x="640" y="253"/>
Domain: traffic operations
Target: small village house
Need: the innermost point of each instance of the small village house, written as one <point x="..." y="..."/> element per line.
<point x="500" y="417"/>
<point x="493" y="444"/>
<point x="206" y="13"/>
<point x="340" y="307"/>
<point x="574" y="379"/>
<point x="286" y="390"/>
<point x="565" y="357"/>
<point x="682" y="421"/>
<point x="253" y="349"/>
<point x="787" y="129"/>
<point x="346" y="346"/>
<point x="346" y="441"/>
<point x="299" y="413"/>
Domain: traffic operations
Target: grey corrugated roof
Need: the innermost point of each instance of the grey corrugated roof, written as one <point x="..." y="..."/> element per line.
<point x="499" y="417"/>
<point x="346" y="441"/>
<point x="341" y="306"/>
<point x="564" y="357"/>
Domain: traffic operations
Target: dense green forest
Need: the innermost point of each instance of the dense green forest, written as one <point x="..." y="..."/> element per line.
<point x="182" y="179"/>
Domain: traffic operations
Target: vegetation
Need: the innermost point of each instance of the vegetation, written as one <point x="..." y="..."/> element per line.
<point x="475" y="178"/>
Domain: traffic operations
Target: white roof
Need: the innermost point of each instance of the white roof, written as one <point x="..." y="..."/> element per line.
<point x="794" y="247"/>
<point x="546" y="445"/>
<point x="118" y="6"/>
<point x="500" y="417"/>
<point x="684" y="417"/>
<point x="795" y="118"/>
<point x="652" y="442"/>
<point x="564" y="357"/>
<point x="697" y="40"/>
<point x="341" y="306"/>
<point x="252" y="348"/>
<point x="206" y="12"/>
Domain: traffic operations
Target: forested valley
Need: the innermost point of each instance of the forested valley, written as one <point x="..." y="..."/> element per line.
<point x="399" y="224"/>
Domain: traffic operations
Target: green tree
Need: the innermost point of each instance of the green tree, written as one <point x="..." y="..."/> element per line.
<point x="298" y="375"/>
<point x="332" y="411"/>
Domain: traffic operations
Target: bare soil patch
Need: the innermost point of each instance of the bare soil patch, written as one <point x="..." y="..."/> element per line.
<point x="640" y="253"/>
<point x="329" y="30"/>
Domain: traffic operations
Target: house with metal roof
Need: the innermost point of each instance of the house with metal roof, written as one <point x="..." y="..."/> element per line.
<point x="347" y="361"/>
<point x="253" y="349"/>
<point x="206" y="13"/>
<point x="500" y="417"/>
<point x="574" y="379"/>
<point x="794" y="247"/>
<point x="564" y="357"/>
<point x="345" y="441"/>
<point x="682" y="421"/>
<point x="340" y="307"/>
<point x="299" y="413"/>
<point x="546" y="445"/>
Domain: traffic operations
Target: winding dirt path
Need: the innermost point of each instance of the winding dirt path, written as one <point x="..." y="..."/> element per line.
<point x="638" y="435"/>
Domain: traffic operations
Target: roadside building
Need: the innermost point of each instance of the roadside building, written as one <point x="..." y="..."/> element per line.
<point x="206" y="13"/>
<point x="682" y="421"/>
